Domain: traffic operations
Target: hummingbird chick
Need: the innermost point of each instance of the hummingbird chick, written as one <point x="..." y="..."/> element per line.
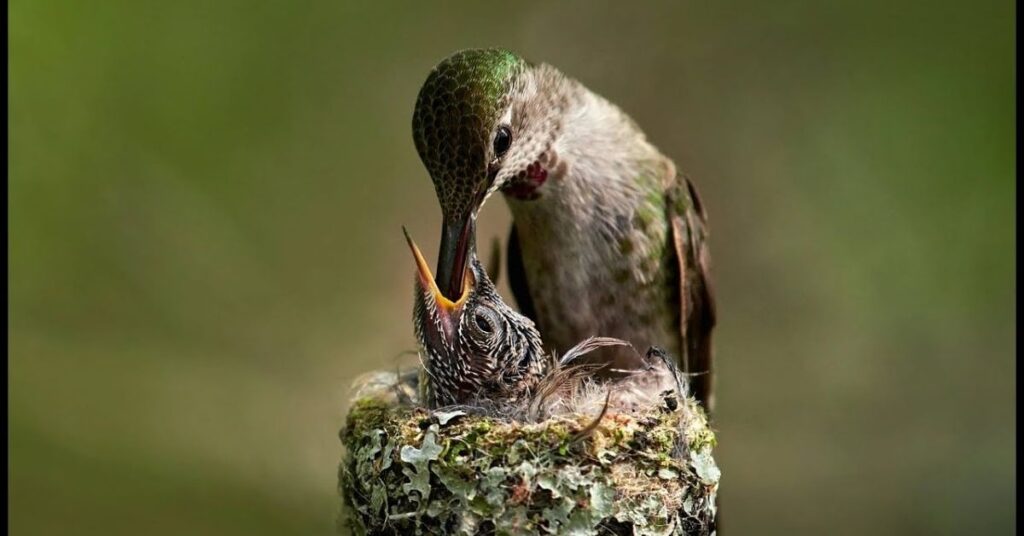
<point x="476" y="349"/>
<point x="479" y="353"/>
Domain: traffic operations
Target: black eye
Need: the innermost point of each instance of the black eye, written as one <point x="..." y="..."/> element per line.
<point x="483" y="323"/>
<point x="502" y="140"/>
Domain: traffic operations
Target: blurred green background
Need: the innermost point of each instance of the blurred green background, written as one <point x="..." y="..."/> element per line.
<point x="205" y="246"/>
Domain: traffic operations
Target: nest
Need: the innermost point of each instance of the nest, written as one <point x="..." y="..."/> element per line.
<point x="409" y="470"/>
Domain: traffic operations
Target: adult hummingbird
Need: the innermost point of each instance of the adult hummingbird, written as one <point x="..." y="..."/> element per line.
<point x="608" y="238"/>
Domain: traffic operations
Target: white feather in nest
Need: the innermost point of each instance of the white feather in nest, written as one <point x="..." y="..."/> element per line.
<point x="568" y="389"/>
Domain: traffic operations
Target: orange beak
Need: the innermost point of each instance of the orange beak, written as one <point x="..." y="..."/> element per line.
<point x="447" y="310"/>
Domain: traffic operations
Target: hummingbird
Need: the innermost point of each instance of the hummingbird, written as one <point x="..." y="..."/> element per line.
<point x="475" y="349"/>
<point x="608" y="237"/>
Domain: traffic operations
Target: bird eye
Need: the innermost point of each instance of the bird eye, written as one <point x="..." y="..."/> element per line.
<point x="502" y="140"/>
<point x="483" y="324"/>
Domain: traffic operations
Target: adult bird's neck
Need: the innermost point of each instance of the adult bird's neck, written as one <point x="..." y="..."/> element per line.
<point x="605" y="161"/>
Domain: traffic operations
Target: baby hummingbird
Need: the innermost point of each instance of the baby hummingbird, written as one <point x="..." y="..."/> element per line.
<point x="475" y="348"/>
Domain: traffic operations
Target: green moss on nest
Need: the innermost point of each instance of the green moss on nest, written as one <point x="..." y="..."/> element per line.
<point x="410" y="471"/>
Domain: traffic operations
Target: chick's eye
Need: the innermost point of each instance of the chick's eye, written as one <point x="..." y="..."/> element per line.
<point x="502" y="140"/>
<point x="483" y="324"/>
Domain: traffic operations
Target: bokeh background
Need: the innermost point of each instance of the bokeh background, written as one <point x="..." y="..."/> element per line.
<point x="205" y="246"/>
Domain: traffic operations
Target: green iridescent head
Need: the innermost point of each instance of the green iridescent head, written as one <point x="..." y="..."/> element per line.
<point x="485" y="119"/>
<point x="456" y="122"/>
<point x="457" y="127"/>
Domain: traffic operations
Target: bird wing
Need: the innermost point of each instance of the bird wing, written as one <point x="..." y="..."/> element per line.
<point x="517" y="276"/>
<point x="689" y="231"/>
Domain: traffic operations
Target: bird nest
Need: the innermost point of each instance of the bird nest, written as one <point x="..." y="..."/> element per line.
<point x="410" y="470"/>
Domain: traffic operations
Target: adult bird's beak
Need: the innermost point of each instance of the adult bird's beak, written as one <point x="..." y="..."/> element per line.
<point x="447" y="311"/>
<point x="452" y="259"/>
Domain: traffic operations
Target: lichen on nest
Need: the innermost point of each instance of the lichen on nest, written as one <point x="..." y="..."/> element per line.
<point x="409" y="470"/>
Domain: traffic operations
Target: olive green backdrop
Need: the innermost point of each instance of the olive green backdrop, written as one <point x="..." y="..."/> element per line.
<point x="205" y="246"/>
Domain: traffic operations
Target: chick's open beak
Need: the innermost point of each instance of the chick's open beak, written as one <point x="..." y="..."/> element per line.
<point x="448" y="311"/>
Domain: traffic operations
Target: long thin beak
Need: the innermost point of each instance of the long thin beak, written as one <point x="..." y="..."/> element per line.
<point x="444" y="305"/>
<point x="453" y="256"/>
